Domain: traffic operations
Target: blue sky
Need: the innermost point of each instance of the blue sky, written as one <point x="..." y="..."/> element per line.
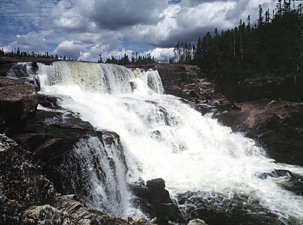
<point x="83" y="29"/>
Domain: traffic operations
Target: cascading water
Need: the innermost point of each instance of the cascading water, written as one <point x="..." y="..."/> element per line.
<point x="206" y="167"/>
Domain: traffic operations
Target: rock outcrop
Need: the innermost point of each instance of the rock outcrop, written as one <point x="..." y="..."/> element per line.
<point x="276" y="125"/>
<point x="18" y="103"/>
<point x="154" y="199"/>
<point x="197" y="222"/>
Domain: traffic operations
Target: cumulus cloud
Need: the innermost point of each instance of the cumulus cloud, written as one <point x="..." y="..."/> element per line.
<point x="86" y="28"/>
<point x="69" y="48"/>
<point x="161" y="54"/>
<point x="31" y="42"/>
<point x="182" y="23"/>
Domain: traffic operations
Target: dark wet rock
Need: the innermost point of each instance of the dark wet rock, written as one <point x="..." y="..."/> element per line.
<point x="154" y="199"/>
<point x="4" y="67"/>
<point x="217" y="209"/>
<point x="52" y="134"/>
<point x="294" y="184"/>
<point x="18" y="103"/>
<point x="276" y="174"/>
<point x="49" y="101"/>
<point x="203" y="108"/>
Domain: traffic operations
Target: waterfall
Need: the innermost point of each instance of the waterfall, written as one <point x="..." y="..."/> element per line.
<point x="204" y="164"/>
<point x="100" y="78"/>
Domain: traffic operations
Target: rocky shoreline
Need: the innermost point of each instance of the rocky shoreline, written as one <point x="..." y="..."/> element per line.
<point x="31" y="149"/>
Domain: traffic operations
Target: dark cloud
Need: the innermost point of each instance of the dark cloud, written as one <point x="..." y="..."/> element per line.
<point x="117" y="14"/>
<point x="193" y="3"/>
<point x="233" y="14"/>
<point x="189" y="35"/>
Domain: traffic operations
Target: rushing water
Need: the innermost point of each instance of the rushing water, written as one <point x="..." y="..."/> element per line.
<point x="209" y="170"/>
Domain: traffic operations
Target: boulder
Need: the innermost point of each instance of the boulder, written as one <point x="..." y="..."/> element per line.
<point x="197" y="222"/>
<point x="45" y="214"/>
<point x="154" y="200"/>
<point x="276" y="174"/>
<point x="18" y="103"/>
<point x="80" y="214"/>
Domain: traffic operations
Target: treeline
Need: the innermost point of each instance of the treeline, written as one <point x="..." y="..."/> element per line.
<point x="183" y="53"/>
<point x="146" y="59"/>
<point x="18" y="53"/>
<point x="272" y="47"/>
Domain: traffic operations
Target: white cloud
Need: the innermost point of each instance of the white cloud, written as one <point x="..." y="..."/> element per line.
<point x="117" y="54"/>
<point x="69" y="49"/>
<point x="161" y="54"/>
<point x="31" y="42"/>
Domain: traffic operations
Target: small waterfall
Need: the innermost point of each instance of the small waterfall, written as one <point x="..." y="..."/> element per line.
<point x="97" y="171"/>
<point x="207" y="168"/>
<point x="101" y="78"/>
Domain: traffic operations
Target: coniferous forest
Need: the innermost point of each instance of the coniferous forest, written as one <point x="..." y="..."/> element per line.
<point x="269" y="49"/>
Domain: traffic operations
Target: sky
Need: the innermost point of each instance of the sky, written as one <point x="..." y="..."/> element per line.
<point x="84" y="29"/>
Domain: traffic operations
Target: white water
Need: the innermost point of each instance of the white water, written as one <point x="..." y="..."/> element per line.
<point x="163" y="137"/>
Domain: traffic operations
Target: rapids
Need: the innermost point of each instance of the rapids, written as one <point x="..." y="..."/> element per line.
<point x="209" y="170"/>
